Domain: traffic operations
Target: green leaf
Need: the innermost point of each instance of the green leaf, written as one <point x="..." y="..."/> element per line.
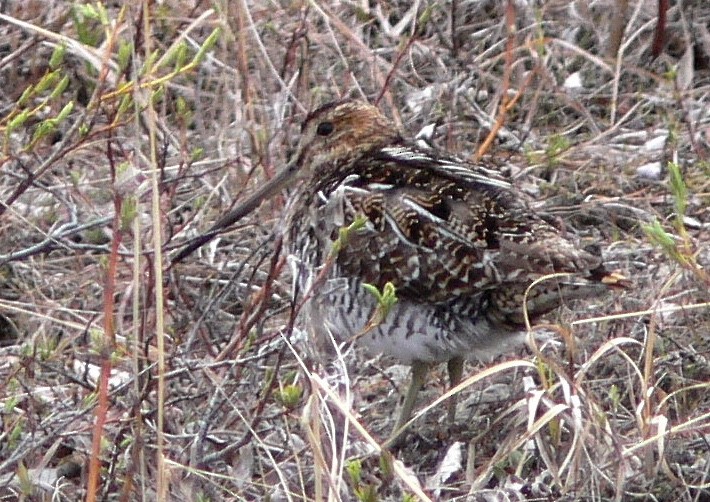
<point x="177" y="55"/>
<point x="17" y="121"/>
<point x="49" y="80"/>
<point x="207" y="46"/>
<point x="45" y="128"/>
<point x="57" y="56"/>
<point x="678" y="189"/>
<point x="385" y="299"/>
<point x="197" y="154"/>
<point x="64" y="112"/>
<point x="657" y="234"/>
<point x="354" y="470"/>
<point x="26" y="94"/>
<point x="125" y="104"/>
<point x="129" y="211"/>
<point x="125" y="52"/>
<point x="344" y="233"/>
<point x="290" y="396"/>
<point x="60" y="87"/>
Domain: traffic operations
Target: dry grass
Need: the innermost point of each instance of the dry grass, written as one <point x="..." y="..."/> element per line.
<point x="126" y="379"/>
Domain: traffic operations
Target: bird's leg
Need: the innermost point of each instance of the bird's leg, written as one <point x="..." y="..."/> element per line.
<point x="455" y="368"/>
<point x="419" y="373"/>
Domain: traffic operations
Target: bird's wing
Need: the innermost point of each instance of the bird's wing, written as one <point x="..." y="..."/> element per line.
<point x="440" y="228"/>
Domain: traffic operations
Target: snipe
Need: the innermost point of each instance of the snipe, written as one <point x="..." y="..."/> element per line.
<point x="459" y="244"/>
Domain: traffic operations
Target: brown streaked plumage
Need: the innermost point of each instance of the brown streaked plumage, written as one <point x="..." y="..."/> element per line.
<point x="460" y="245"/>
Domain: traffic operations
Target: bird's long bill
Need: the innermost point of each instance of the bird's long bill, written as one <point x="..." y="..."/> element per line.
<point x="267" y="190"/>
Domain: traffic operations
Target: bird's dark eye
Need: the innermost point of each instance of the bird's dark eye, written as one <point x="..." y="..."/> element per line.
<point x="325" y="129"/>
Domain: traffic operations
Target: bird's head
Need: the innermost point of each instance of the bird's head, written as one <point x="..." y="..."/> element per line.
<point x="337" y="133"/>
